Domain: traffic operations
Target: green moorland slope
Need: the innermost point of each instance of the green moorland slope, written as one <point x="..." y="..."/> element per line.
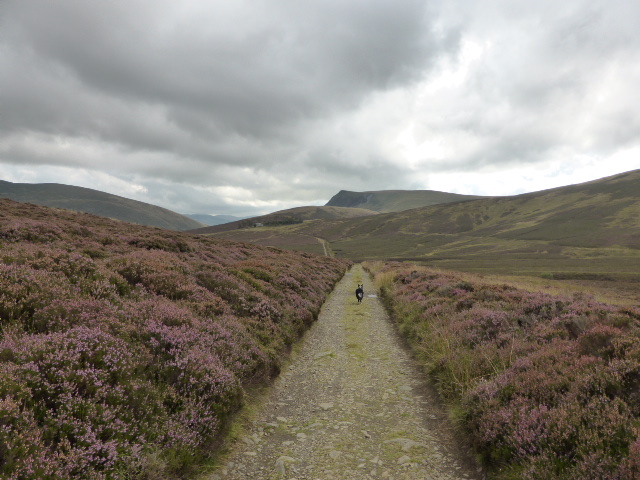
<point x="125" y="350"/>
<point x="290" y="216"/>
<point x="385" y="201"/>
<point x="98" y="203"/>
<point x="589" y="230"/>
<point x="209" y="220"/>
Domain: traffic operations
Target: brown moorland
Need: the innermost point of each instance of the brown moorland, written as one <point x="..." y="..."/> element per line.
<point x="291" y="216"/>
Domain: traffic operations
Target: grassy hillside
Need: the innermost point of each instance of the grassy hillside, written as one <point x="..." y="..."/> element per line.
<point x="124" y="349"/>
<point x="98" y="203"/>
<point x="590" y="229"/>
<point x="291" y="216"/>
<point x="395" y="200"/>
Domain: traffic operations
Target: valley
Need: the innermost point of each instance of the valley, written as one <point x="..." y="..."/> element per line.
<point x="327" y="240"/>
<point x="172" y="333"/>
<point x="582" y="231"/>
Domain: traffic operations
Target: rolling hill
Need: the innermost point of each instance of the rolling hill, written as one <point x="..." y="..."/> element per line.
<point x="212" y="219"/>
<point x="289" y="217"/>
<point x="98" y="203"/>
<point x="394" y="200"/>
<point x="586" y="229"/>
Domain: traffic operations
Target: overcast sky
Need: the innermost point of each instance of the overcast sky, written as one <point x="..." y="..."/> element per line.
<point x="251" y="106"/>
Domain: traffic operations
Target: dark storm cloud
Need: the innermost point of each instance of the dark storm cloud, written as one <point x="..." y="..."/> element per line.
<point x="179" y="90"/>
<point x="264" y="104"/>
<point x="248" y="69"/>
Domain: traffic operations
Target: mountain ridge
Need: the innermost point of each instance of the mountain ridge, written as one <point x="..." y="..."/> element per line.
<point x="99" y="203"/>
<point x="385" y="201"/>
<point x="289" y="216"/>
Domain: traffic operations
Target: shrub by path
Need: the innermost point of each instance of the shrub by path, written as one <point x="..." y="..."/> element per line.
<point x="350" y="405"/>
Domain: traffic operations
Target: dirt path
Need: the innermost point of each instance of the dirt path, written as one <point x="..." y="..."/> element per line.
<point x="349" y="405"/>
<point x="325" y="247"/>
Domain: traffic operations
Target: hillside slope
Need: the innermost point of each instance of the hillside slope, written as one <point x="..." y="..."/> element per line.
<point x="98" y="203"/>
<point x="589" y="227"/>
<point x="289" y="217"/>
<point x="395" y="200"/>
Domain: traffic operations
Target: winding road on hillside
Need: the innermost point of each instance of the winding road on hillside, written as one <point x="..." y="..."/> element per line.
<point x="325" y="246"/>
<point x="350" y="404"/>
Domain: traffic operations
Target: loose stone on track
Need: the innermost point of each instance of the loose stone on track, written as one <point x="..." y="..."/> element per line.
<point x="350" y="405"/>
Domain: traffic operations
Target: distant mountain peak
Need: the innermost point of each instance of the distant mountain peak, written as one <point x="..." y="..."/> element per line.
<point x="394" y="200"/>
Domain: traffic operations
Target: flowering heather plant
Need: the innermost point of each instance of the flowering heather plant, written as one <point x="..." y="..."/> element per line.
<point x="124" y="349"/>
<point x="547" y="386"/>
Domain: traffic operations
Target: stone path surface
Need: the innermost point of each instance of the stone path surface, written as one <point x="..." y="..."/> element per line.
<point x="350" y="404"/>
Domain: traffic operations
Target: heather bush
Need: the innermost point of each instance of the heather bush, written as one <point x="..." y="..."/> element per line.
<point x="546" y="386"/>
<point x="125" y="349"/>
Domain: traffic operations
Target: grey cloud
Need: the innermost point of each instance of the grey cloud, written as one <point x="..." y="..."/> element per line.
<point x="299" y="61"/>
<point x="292" y="101"/>
<point x="538" y="89"/>
<point x="183" y="93"/>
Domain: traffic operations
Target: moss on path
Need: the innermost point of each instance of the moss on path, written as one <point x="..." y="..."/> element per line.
<point x="349" y="405"/>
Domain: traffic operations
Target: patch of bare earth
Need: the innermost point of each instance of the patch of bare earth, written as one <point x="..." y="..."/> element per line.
<point x="350" y="404"/>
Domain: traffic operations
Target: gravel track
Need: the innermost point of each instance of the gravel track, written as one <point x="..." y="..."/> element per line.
<point x="350" y="404"/>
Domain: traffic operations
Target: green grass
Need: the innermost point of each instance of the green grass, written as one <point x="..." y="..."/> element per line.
<point x="581" y="232"/>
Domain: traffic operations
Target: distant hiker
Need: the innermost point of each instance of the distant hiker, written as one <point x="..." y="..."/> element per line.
<point x="360" y="293"/>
